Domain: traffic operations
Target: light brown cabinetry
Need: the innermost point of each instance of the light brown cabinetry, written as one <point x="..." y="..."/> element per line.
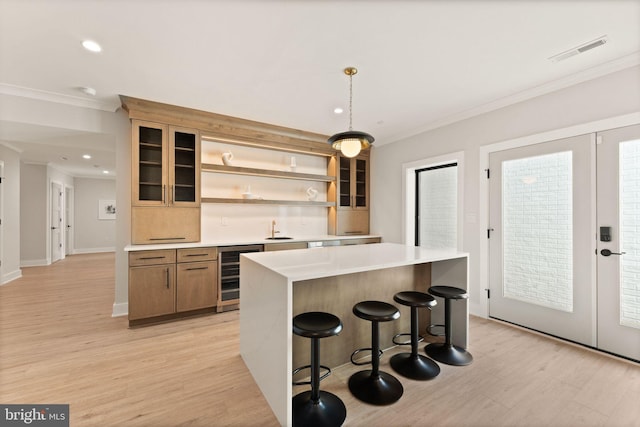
<point x="165" y="179"/>
<point x="152" y="283"/>
<point x="166" y="282"/>
<point x="351" y="194"/>
<point x="197" y="279"/>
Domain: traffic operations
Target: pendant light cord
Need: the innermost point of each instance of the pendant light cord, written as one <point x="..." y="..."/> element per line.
<point x="350" y="102"/>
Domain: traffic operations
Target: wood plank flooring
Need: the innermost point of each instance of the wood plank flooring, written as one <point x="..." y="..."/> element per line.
<point x="59" y="344"/>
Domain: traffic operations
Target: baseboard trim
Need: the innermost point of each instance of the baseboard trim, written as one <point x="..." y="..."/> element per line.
<point x="120" y="309"/>
<point x="93" y="250"/>
<point x="9" y="277"/>
<point x="34" y="263"/>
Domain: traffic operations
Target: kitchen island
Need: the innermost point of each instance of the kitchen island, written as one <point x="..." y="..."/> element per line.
<point x="276" y="286"/>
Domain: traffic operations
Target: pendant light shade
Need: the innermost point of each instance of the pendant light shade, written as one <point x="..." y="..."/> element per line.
<point x="350" y="143"/>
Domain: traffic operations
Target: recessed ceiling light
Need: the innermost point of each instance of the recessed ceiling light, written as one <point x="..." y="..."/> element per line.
<point x="105" y="171"/>
<point x="338" y="110"/>
<point x="86" y="156"/>
<point x="91" y="46"/>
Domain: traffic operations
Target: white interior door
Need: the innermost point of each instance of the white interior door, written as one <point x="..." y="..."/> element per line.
<point x="618" y="212"/>
<point x="68" y="220"/>
<point x="56" y="222"/>
<point x="542" y="268"/>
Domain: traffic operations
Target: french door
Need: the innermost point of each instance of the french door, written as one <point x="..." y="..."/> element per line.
<point x="541" y="257"/>
<point x="618" y="257"/>
<point x="565" y="244"/>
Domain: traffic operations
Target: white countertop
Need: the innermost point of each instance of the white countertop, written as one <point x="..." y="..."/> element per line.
<point x="305" y="264"/>
<point x="240" y="241"/>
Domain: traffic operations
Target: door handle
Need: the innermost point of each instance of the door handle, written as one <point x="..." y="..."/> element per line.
<point x="607" y="252"/>
<point x="54" y="228"/>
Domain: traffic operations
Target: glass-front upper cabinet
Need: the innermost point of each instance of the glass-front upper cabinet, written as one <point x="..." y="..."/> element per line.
<point x="353" y="183"/>
<point x="165" y="165"/>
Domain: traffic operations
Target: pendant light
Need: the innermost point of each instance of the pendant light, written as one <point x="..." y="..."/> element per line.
<point x="350" y="143"/>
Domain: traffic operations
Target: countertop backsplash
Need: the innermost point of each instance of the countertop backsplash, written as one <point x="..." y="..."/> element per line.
<point x="229" y="221"/>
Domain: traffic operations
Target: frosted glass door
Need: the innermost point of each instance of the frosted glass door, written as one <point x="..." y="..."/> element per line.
<point x="541" y="261"/>
<point x="437" y="207"/>
<point x="618" y="189"/>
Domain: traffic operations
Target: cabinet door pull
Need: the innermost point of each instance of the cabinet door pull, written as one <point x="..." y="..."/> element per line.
<point x="167" y="271"/>
<point x="173" y="194"/>
<point x="196" y="254"/>
<point x="197" y="268"/>
<point x="164" y="192"/>
<point x="167" y="238"/>
<point x="151" y="257"/>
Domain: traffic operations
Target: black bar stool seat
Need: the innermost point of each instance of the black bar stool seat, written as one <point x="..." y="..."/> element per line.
<point x="372" y="385"/>
<point x="447" y="352"/>
<point x="413" y="365"/>
<point x="317" y="407"/>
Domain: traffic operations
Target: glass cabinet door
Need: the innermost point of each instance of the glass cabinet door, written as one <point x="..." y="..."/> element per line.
<point x="185" y="160"/>
<point x="353" y="191"/>
<point x="360" y="183"/>
<point x="149" y="160"/>
<point x="345" y="182"/>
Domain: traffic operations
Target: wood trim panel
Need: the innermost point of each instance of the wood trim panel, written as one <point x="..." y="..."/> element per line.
<point x="228" y="129"/>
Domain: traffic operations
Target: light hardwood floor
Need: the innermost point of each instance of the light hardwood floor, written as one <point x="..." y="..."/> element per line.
<point x="59" y="344"/>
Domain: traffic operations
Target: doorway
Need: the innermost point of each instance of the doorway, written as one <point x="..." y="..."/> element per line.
<point x="57" y="207"/>
<point x="557" y="237"/>
<point x="436" y="206"/>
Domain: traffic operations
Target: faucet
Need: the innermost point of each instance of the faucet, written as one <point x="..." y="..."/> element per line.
<point x="273" y="229"/>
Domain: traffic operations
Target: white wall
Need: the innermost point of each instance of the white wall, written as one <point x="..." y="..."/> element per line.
<point x="612" y="95"/>
<point x="90" y="233"/>
<point x="11" y="215"/>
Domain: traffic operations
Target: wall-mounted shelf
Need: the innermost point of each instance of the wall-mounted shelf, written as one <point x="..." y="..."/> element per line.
<point x="266" y="202"/>
<point x="238" y="170"/>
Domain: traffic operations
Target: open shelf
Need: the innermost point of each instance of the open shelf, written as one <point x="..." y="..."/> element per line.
<point x="266" y="202"/>
<point x="238" y="170"/>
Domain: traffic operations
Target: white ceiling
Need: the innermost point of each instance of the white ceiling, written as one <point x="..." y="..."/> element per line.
<point x="421" y="63"/>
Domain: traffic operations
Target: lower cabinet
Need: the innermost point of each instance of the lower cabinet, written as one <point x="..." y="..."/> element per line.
<point x="166" y="282"/>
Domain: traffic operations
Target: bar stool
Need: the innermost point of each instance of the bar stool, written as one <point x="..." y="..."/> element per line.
<point x="447" y="352"/>
<point x="372" y="385"/>
<point x="316" y="407"/>
<point x="413" y="365"/>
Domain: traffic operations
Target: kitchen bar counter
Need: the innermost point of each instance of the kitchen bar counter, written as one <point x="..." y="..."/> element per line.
<point x="276" y="286"/>
<point x="242" y="241"/>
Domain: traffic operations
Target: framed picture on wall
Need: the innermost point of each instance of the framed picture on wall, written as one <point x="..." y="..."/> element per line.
<point x="106" y="209"/>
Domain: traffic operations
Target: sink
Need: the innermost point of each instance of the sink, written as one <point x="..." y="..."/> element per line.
<point x="279" y="238"/>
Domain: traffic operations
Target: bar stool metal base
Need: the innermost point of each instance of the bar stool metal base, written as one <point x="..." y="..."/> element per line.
<point x="415" y="367"/>
<point x="328" y="411"/>
<point x="381" y="389"/>
<point x="449" y="354"/>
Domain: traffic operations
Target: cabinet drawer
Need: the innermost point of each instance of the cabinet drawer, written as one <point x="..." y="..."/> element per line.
<point x="165" y="256"/>
<point x="197" y="254"/>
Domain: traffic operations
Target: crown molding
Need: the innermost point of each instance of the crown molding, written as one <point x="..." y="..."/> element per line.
<point x="75" y="101"/>
<point x="549" y="87"/>
<point x="11" y="147"/>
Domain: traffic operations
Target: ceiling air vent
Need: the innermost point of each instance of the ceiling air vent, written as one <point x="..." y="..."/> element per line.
<point x="579" y="49"/>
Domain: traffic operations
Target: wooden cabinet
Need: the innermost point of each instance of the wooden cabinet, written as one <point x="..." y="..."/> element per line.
<point x="152" y="283"/>
<point x="165" y="181"/>
<point x="165" y="282"/>
<point x="351" y="194"/>
<point x="197" y="279"/>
